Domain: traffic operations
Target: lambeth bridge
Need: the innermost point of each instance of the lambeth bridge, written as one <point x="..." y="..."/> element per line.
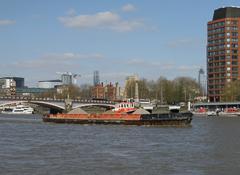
<point x="55" y="105"/>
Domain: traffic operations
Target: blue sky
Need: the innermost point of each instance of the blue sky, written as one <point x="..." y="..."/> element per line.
<point x="151" y="38"/>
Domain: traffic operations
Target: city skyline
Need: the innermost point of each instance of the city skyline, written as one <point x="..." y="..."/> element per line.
<point x="119" y="39"/>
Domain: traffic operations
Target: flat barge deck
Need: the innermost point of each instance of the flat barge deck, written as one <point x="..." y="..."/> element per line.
<point x="168" y="119"/>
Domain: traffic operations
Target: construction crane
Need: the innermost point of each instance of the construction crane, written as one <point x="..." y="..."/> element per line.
<point x="75" y="77"/>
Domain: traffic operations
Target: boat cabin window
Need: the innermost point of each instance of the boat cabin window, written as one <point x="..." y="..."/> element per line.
<point x="18" y="110"/>
<point x="125" y="105"/>
<point x="7" y="109"/>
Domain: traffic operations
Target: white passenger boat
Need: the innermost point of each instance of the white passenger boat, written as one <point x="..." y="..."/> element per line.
<point x="146" y="104"/>
<point x="174" y="108"/>
<point x="19" y="109"/>
<point x="211" y="113"/>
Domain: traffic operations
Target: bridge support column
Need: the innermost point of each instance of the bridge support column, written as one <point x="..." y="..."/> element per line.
<point x="68" y="105"/>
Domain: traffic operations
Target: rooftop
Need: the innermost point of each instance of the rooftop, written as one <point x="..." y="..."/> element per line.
<point x="11" y="78"/>
<point x="50" y="81"/>
<point x="226" y="12"/>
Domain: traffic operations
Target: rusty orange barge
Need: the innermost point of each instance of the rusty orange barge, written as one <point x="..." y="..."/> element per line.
<point x="167" y="119"/>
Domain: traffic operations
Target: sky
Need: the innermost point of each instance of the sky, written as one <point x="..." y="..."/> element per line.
<point x="148" y="38"/>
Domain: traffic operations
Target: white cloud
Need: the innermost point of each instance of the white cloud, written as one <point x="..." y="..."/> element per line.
<point x="68" y="56"/>
<point x="101" y="20"/>
<point x="51" y="60"/>
<point x="46" y="66"/>
<point x="165" y="66"/>
<point x="188" y="68"/>
<point x="128" y="8"/>
<point x="109" y="75"/>
<point x="71" y="12"/>
<point x="5" y="22"/>
<point x="151" y="64"/>
<point x="185" y="42"/>
<point x="136" y="62"/>
<point x="126" y="26"/>
<point x="85" y="21"/>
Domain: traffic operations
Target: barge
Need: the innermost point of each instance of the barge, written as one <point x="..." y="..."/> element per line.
<point x="167" y="119"/>
<point x="125" y="113"/>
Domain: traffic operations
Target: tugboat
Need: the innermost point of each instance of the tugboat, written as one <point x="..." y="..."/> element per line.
<point x="125" y="113"/>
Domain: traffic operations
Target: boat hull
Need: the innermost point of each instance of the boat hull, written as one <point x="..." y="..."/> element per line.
<point x="179" y="119"/>
<point x="16" y="112"/>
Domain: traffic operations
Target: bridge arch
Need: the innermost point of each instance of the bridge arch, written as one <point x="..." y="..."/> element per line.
<point x="111" y="106"/>
<point x="11" y="103"/>
<point x="56" y="106"/>
<point x="53" y="107"/>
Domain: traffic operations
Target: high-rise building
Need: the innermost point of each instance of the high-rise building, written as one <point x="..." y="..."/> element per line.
<point x="7" y="86"/>
<point x="96" y="79"/>
<point x="223" y="51"/>
<point x="202" y="82"/>
<point x="19" y="81"/>
<point x="66" y="78"/>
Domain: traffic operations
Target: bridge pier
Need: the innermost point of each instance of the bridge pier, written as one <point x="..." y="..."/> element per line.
<point x="68" y="105"/>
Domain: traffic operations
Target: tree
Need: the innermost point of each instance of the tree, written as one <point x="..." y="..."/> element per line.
<point x="143" y="90"/>
<point x="186" y="88"/>
<point x="161" y="89"/>
<point x="49" y="94"/>
<point x="231" y="91"/>
<point x="130" y="89"/>
<point x="181" y="89"/>
<point x="86" y="92"/>
<point x="152" y="89"/>
<point x="71" y="91"/>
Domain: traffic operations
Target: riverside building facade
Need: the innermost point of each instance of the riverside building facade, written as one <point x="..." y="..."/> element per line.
<point x="223" y="51"/>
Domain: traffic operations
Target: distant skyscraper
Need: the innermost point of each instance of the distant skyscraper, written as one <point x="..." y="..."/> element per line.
<point x="202" y="81"/>
<point x="96" y="79"/>
<point x="223" y="57"/>
<point x="66" y="78"/>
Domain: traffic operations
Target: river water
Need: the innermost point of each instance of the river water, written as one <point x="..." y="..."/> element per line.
<point x="30" y="147"/>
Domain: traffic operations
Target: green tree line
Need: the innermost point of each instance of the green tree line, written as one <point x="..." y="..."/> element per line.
<point x="180" y="89"/>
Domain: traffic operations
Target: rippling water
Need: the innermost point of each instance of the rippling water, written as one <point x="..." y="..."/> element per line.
<point x="29" y="146"/>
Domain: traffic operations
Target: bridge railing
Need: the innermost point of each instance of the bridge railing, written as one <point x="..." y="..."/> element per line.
<point x="54" y="100"/>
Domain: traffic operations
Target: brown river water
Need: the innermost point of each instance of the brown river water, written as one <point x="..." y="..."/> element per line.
<point x="30" y="147"/>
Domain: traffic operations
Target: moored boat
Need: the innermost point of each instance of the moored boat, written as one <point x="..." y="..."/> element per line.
<point x="168" y="119"/>
<point x="19" y="109"/>
<point x="125" y="113"/>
